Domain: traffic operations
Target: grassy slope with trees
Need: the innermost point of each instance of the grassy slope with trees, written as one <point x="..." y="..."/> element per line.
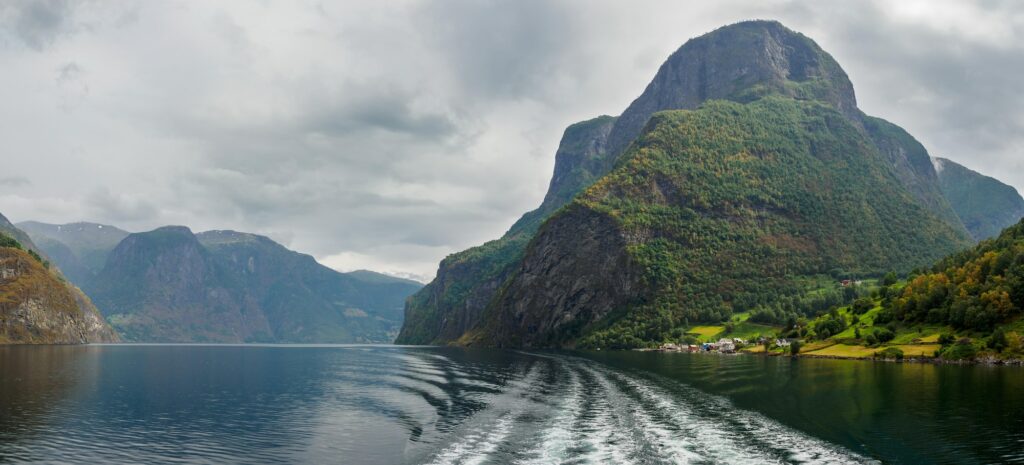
<point x="967" y="306"/>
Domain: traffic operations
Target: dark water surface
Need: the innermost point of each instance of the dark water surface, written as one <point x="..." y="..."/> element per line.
<point x="393" y="405"/>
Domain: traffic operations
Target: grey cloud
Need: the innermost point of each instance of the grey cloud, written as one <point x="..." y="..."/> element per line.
<point x="376" y="107"/>
<point x="395" y="134"/>
<point x="69" y="72"/>
<point x="14" y="181"/>
<point x="38" y="23"/>
<point x="119" y="207"/>
<point x="500" y="49"/>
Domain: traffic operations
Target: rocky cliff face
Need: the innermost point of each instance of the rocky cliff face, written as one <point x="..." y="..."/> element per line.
<point x="743" y="63"/>
<point x="554" y="293"/>
<point x="740" y="62"/>
<point x="169" y="285"/>
<point x="38" y="307"/>
<point x="985" y="205"/>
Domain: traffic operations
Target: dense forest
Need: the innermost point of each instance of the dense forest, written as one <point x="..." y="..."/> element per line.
<point x="976" y="289"/>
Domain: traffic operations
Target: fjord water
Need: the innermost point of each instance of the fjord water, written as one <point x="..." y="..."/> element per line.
<point x="386" y="404"/>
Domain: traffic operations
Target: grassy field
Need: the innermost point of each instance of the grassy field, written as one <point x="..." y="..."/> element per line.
<point x="751" y="331"/>
<point x="705" y="333"/>
<point x="849" y="351"/>
<point x="919" y="350"/>
<point x="743" y="330"/>
<point x="816" y="345"/>
<point x="843" y="350"/>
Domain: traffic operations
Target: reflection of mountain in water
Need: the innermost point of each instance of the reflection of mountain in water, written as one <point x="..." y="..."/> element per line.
<point x="34" y="383"/>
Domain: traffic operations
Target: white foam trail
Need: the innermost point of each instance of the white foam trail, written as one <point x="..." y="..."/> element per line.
<point x="475" y="448"/>
<point x="734" y="445"/>
<point x="558" y="437"/>
<point x="666" y="446"/>
<point x="708" y="438"/>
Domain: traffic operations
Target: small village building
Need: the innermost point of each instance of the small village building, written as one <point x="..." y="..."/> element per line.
<point x="726" y="345"/>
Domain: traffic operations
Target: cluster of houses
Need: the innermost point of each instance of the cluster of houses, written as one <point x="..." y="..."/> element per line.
<point x="723" y="346"/>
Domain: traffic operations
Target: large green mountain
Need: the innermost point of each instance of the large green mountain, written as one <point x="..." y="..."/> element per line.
<point x="984" y="204"/>
<point x="771" y="176"/>
<point x="37" y="305"/>
<point x="170" y="285"/>
<point x="79" y="249"/>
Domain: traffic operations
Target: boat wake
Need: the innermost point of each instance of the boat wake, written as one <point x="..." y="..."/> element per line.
<point x="560" y="409"/>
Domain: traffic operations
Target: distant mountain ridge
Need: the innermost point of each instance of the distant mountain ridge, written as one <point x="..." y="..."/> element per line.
<point x="170" y="285"/>
<point x="79" y="249"/>
<point x="609" y="259"/>
<point x="985" y="205"/>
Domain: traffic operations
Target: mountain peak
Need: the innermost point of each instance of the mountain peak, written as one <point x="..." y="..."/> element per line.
<point x="740" y="62"/>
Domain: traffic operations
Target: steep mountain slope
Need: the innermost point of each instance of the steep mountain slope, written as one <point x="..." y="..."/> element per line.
<point x="453" y="302"/>
<point x="37" y="306"/>
<point x="710" y="212"/>
<point x="984" y="204"/>
<point x="12" y="231"/>
<point x="79" y="249"/>
<point x="743" y="63"/>
<point x="225" y="286"/>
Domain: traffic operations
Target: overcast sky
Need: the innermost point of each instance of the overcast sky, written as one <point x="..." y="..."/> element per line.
<point x="386" y="135"/>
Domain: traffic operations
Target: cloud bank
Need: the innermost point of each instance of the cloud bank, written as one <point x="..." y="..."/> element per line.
<point x="386" y="135"/>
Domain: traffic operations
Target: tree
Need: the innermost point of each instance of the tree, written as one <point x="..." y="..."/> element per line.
<point x="856" y="333"/>
<point x="889" y="279"/>
<point x="862" y="305"/>
<point x="794" y="348"/>
<point x="998" y="340"/>
<point x="884" y="335"/>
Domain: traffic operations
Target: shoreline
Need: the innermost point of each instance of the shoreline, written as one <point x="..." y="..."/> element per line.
<point x="989" y="361"/>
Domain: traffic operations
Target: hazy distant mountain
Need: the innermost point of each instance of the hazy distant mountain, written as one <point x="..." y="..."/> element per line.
<point x="744" y="168"/>
<point x="985" y="205"/>
<point x="79" y="249"/>
<point x="37" y="305"/>
<point x="225" y="286"/>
